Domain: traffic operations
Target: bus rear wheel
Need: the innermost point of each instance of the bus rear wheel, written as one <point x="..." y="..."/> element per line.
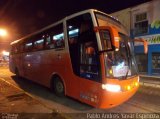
<point x="58" y="87"/>
<point x="17" y="73"/>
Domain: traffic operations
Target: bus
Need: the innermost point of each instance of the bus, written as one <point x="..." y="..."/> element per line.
<point x="87" y="56"/>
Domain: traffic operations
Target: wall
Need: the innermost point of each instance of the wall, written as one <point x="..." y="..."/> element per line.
<point x="124" y="17"/>
<point x="128" y="17"/>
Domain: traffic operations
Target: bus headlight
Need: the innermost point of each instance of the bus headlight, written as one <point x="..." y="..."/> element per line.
<point x="111" y="87"/>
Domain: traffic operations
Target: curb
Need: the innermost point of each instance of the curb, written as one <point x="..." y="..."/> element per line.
<point x="147" y="76"/>
<point x="52" y="114"/>
<point x="27" y="94"/>
<point x="150" y="81"/>
<point x="149" y="84"/>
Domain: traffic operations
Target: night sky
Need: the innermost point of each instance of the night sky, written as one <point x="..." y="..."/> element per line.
<point x="21" y="17"/>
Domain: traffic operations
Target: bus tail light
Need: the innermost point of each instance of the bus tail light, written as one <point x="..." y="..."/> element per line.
<point x="111" y="87"/>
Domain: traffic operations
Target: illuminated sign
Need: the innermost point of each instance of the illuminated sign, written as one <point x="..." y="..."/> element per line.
<point x="155" y="24"/>
<point x="151" y="39"/>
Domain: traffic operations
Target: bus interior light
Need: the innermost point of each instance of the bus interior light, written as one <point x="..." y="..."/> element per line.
<point x="75" y="31"/>
<point x="58" y="36"/>
<point x="111" y="87"/>
<point x="40" y="41"/>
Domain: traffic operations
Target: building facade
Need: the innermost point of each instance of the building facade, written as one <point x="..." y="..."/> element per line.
<point x="143" y="21"/>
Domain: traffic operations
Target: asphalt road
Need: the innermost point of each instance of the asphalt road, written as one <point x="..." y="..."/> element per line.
<point x="146" y="100"/>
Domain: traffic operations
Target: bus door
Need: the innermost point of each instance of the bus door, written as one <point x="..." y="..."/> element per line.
<point x="84" y="58"/>
<point x="89" y="69"/>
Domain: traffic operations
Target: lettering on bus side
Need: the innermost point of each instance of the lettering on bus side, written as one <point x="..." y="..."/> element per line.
<point x="89" y="96"/>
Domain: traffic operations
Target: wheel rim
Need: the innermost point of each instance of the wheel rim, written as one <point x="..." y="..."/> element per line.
<point x="59" y="87"/>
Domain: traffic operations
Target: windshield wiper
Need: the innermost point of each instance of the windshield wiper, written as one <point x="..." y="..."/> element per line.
<point x="106" y="51"/>
<point x="128" y="58"/>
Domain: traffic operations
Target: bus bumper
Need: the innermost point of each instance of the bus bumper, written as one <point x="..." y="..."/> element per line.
<point x="112" y="99"/>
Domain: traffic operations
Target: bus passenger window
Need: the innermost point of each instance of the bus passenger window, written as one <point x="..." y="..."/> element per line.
<point x="38" y="45"/>
<point x="28" y="46"/>
<point x="49" y="44"/>
<point x="58" y="40"/>
<point x="52" y="44"/>
<point x="55" y="37"/>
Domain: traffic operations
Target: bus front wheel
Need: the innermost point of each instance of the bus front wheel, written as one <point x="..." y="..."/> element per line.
<point x="58" y="87"/>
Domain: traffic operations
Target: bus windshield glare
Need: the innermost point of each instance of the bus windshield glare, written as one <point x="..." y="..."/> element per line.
<point x="120" y="63"/>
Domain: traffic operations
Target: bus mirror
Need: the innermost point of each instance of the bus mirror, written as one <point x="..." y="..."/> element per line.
<point x="112" y="32"/>
<point x="144" y="43"/>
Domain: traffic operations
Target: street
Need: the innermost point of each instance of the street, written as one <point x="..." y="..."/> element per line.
<point x="146" y="100"/>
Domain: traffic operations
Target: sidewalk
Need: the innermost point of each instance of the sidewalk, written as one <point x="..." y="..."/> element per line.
<point x="17" y="104"/>
<point x="153" y="81"/>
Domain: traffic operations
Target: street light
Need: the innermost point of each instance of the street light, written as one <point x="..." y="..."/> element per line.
<point x="3" y="32"/>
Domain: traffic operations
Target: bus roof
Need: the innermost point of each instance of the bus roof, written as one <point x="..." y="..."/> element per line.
<point x="60" y="21"/>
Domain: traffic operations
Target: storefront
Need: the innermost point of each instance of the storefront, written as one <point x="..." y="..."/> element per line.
<point x="149" y="63"/>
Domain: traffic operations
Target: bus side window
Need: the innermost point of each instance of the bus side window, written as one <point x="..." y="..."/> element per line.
<point x="55" y="37"/>
<point x="28" y="47"/>
<point x="38" y="44"/>
<point x="49" y="43"/>
<point x="58" y="40"/>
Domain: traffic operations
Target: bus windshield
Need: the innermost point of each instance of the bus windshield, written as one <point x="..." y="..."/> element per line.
<point x="120" y="63"/>
<point x="105" y="20"/>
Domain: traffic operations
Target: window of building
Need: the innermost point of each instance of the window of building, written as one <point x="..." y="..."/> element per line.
<point x="156" y="61"/>
<point x="142" y="62"/>
<point x="141" y="24"/>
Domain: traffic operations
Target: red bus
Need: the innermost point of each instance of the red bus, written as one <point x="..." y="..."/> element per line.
<point x="87" y="56"/>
